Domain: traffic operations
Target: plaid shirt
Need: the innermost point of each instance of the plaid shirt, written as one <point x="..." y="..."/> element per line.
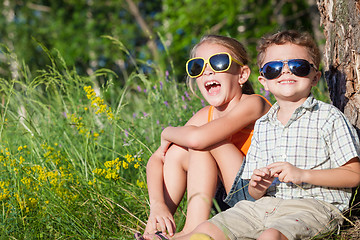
<point x="317" y="136"/>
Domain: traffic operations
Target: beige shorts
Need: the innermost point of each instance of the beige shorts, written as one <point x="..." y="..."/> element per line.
<point x="295" y="218"/>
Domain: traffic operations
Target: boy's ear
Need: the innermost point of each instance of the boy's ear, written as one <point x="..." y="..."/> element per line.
<point x="244" y="74"/>
<point x="263" y="81"/>
<point x="316" y="78"/>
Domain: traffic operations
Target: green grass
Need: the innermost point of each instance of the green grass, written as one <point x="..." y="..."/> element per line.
<point x="73" y="154"/>
<point x="72" y="161"/>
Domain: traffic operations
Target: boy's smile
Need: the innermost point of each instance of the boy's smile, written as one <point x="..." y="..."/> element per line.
<point x="286" y="81"/>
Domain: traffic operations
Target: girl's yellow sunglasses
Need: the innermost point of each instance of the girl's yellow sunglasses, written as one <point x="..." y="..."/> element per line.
<point x="219" y="62"/>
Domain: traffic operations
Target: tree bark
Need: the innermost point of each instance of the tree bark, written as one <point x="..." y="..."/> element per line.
<point x="341" y="22"/>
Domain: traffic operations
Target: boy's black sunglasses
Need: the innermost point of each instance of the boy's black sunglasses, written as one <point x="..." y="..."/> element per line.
<point x="299" y="67"/>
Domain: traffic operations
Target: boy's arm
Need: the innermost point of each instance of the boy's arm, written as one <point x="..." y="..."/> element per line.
<point x="202" y="135"/>
<point x="345" y="176"/>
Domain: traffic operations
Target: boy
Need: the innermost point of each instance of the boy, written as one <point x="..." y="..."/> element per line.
<point x="304" y="155"/>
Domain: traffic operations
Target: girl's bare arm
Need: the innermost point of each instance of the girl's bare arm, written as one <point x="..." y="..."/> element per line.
<point x="206" y="135"/>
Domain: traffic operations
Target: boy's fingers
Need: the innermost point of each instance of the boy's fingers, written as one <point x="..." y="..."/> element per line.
<point x="276" y="170"/>
<point x="256" y="177"/>
<point x="253" y="184"/>
<point x="266" y="171"/>
<point x="259" y="172"/>
<point x="275" y="164"/>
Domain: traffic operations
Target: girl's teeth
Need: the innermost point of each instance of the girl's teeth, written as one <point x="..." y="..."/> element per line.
<point x="212" y="87"/>
<point x="210" y="83"/>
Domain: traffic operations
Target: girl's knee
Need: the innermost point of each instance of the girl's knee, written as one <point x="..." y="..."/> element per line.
<point x="210" y="230"/>
<point x="176" y="156"/>
<point x="204" y="227"/>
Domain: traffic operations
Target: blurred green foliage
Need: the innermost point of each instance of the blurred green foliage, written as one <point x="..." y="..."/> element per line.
<point x="153" y="31"/>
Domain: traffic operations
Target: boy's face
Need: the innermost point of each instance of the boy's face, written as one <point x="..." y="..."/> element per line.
<point x="288" y="86"/>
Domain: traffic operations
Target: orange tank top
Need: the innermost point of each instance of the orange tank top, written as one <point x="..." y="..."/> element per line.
<point x="241" y="139"/>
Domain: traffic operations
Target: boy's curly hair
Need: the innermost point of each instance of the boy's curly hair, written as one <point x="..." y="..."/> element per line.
<point x="289" y="36"/>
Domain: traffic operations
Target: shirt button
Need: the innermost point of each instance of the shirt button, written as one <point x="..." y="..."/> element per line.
<point x="284" y="156"/>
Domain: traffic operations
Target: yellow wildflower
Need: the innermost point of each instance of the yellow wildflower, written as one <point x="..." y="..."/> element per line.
<point x="141" y="184"/>
<point x="21" y="160"/>
<point x="125" y="165"/>
<point x="92" y="182"/>
<point x="3" y="196"/>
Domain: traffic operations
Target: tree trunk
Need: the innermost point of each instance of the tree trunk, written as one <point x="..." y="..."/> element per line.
<point x="341" y="22"/>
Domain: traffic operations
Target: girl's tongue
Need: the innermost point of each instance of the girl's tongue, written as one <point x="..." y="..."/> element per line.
<point x="212" y="87"/>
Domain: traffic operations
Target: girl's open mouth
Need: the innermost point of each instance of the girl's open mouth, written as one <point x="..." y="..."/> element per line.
<point x="212" y="87"/>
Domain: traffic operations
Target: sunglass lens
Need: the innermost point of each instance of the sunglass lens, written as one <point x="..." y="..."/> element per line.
<point x="299" y="67"/>
<point x="195" y="67"/>
<point x="272" y="70"/>
<point x="220" y="62"/>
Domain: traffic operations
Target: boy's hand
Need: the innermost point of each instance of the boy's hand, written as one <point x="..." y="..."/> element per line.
<point x="261" y="179"/>
<point x="287" y="172"/>
<point x="160" y="219"/>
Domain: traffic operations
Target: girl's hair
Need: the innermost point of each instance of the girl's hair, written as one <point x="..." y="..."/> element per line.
<point x="236" y="49"/>
<point x="289" y="36"/>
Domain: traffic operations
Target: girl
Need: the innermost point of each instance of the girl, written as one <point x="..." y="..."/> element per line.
<point x="211" y="145"/>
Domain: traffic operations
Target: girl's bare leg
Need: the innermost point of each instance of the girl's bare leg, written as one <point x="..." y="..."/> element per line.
<point x="175" y="176"/>
<point x="173" y="173"/>
<point x="202" y="180"/>
<point x="198" y="172"/>
<point x="203" y="169"/>
<point x="208" y="228"/>
<point x="229" y="160"/>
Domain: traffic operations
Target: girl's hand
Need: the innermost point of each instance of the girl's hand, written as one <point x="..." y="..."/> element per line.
<point x="165" y="144"/>
<point x="287" y="172"/>
<point x="158" y="155"/>
<point x="160" y="219"/>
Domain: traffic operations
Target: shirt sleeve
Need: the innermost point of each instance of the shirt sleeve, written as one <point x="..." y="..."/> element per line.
<point x="342" y="139"/>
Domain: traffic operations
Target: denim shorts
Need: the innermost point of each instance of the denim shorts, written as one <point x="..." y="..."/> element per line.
<point x="239" y="190"/>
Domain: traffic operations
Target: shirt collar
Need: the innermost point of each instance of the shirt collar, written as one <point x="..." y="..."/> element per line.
<point x="309" y="104"/>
